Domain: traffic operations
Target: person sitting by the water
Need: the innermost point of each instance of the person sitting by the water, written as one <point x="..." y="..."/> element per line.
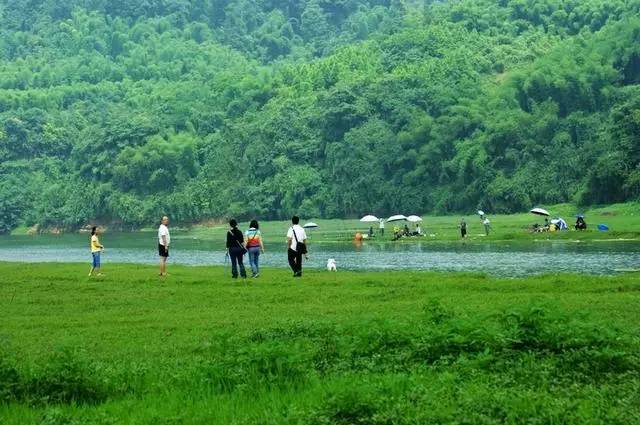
<point x="536" y="228"/>
<point x="580" y="224"/>
<point x="418" y="230"/>
<point x="370" y="232"/>
<point x="406" y="230"/>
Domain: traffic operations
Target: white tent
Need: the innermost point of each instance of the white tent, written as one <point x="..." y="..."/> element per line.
<point x="562" y="225"/>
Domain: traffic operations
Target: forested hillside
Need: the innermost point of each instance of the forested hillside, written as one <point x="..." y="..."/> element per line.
<point x="121" y="111"/>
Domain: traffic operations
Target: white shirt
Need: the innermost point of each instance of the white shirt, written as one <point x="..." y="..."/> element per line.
<point x="300" y="234"/>
<point x="163" y="231"/>
<point x="486" y="221"/>
<point x="381" y="224"/>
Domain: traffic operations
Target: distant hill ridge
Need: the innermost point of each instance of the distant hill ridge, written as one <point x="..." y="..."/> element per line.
<point x="121" y="111"/>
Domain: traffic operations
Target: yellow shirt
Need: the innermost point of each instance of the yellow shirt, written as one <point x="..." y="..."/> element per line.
<point x="95" y="244"/>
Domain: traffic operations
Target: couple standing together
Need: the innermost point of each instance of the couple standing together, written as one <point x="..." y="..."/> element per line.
<point x="236" y="247"/>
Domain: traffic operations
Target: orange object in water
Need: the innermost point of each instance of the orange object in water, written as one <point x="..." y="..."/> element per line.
<point x="358" y="237"/>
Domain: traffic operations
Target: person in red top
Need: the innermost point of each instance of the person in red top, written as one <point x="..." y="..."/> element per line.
<point x="255" y="246"/>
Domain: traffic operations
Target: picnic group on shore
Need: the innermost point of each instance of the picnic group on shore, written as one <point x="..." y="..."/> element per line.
<point x="237" y="243"/>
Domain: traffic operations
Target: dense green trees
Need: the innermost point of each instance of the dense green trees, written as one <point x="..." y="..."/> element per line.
<point x="123" y="111"/>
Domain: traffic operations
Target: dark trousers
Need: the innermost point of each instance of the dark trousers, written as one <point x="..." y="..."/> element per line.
<point x="236" y="255"/>
<point x="295" y="261"/>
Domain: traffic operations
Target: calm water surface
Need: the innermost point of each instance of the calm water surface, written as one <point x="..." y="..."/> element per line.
<point x="502" y="259"/>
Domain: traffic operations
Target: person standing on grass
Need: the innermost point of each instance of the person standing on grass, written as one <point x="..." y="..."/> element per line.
<point x="254" y="246"/>
<point x="236" y="249"/>
<point x="463" y="228"/>
<point x="381" y="227"/>
<point x="164" y="239"/>
<point x="96" y="249"/>
<point x="487" y="226"/>
<point x="297" y="246"/>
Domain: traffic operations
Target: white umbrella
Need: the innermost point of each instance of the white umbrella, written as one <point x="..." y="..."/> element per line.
<point x="480" y="212"/>
<point x="310" y="225"/>
<point x="369" y="219"/>
<point x="540" y="211"/>
<point x="414" y="219"/>
<point x="397" y="217"/>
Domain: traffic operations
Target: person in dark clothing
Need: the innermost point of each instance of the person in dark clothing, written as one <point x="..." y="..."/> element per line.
<point x="236" y="249"/>
<point x="581" y="224"/>
<point x="297" y="244"/>
<point x="463" y="228"/>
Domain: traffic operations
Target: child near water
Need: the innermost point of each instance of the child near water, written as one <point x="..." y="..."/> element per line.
<point x="96" y="249"/>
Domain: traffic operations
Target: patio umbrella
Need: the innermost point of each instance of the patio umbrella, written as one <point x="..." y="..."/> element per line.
<point x="369" y="219"/>
<point x="480" y="212"/>
<point x="414" y="219"/>
<point x="397" y="217"/>
<point x="540" y="211"/>
<point x="580" y="216"/>
<point x="310" y="225"/>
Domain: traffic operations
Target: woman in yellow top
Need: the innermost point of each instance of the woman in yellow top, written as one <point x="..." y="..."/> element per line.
<point x="96" y="249"/>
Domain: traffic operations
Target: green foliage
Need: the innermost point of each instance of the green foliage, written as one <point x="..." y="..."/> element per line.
<point x="123" y="111"/>
<point x="66" y="378"/>
<point x="397" y="347"/>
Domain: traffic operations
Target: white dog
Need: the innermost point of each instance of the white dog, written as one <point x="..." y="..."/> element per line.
<point x="331" y="265"/>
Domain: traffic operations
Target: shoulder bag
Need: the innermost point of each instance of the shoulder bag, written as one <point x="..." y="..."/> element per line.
<point x="301" y="247"/>
<point x="244" y="250"/>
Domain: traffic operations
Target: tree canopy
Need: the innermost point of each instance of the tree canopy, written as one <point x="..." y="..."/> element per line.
<point x="121" y="111"/>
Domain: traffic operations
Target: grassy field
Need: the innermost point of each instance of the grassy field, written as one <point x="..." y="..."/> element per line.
<point x="622" y="219"/>
<point x="345" y="348"/>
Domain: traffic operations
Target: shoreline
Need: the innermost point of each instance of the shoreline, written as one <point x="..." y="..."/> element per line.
<point x="180" y="233"/>
<point x="320" y="270"/>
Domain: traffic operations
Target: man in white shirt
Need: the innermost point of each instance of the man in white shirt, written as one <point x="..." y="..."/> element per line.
<point x="381" y="227"/>
<point x="297" y="242"/>
<point x="487" y="225"/>
<point x="164" y="239"/>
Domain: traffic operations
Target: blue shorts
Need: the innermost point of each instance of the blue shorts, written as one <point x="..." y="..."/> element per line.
<point x="96" y="259"/>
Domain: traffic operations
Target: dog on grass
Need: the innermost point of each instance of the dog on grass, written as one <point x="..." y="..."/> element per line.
<point x="331" y="265"/>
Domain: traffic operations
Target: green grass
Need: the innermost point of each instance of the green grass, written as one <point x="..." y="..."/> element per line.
<point x="344" y="348"/>
<point x="622" y="219"/>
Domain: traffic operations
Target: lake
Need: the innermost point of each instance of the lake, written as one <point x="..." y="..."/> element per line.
<point x="508" y="259"/>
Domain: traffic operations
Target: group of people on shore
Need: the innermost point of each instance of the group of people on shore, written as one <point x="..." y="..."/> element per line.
<point x="484" y="220"/>
<point x="237" y="243"/>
